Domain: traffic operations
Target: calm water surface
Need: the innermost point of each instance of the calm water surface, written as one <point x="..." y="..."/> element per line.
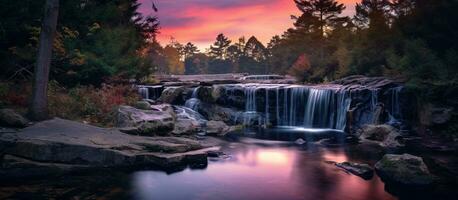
<point x="254" y="169"/>
<point x="262" y="170"/>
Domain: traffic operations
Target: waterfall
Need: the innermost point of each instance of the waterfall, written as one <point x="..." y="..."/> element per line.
<point x="395" y="112"/>
<point x="144" y="92"/>
<point x="150" y="92"/>
<point x="295" y="105"/>
<point x="251" y="114"/>
<point x="193" y="102"/>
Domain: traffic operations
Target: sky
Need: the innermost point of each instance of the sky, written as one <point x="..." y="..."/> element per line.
<point x="200" y="21"/>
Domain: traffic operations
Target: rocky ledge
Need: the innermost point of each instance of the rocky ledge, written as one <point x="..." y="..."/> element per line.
<point x="61" y="145"/>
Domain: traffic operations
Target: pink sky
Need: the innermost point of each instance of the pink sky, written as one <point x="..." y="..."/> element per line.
<point x="199" y="21"/>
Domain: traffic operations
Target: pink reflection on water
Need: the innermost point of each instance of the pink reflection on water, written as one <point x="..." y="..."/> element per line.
<point x="264" y="173"/>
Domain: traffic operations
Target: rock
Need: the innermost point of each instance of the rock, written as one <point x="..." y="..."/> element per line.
<point x="10" y="118"/>
<point x="362" y="170"/>
<point x="300" y="141"/>
<point x="405" y="169"/>
<point x="204" y="93"/>
<point x="186" y="127"/>
<point x="215" y="154"/>
<point x="433" y="115"/>
<point x="382" y="135"/>
<point x="143" y="105"/>
<point x="64" y="145"/>
<point x="365" y="82"/>
<point x="218" y="113"/>
<point x="172" y="95"/>
<point x="158" y="121"/>
<point x="217" y="128"/>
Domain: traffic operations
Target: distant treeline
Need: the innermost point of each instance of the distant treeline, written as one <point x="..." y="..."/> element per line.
<point x="99" y="40"/>
<point x="412" y="39"/>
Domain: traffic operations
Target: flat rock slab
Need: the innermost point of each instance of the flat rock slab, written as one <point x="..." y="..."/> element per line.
<point x="70" y="144"/>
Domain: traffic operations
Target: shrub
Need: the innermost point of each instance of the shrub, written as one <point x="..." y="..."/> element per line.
<point x="90" y="104"/>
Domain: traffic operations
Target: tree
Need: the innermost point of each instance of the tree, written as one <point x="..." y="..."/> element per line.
<point x="218" y="49"/>
<point x="197" y="64"/>
<point x="326" y="12"/>
<point x="173" y="59"/>
<point x="373" y="13"/>
<point x="255" y="49"/>
<point x="402" y="8"/>
<point x="301" y="68"/>
<point x="189" y="50"/>
<point x="39" y="105"/>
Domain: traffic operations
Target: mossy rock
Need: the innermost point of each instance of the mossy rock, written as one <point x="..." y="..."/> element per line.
<point x="405" y="169"/>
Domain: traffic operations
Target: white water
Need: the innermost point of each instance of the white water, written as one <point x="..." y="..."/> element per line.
<point x="193" y="102"/>
<point x="300" y="106"/>
<point x="150" y="92"/>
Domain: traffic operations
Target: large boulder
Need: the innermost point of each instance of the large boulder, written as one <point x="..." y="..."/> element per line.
<point x="217" y="128"/>
<point x="383" y="135"/>
<point x="157" y="121"/>
<point x="405" y="169"/>
<point x="172" y="95"/>
<point x="10" y="118"/>
<point x="66" y="145"/>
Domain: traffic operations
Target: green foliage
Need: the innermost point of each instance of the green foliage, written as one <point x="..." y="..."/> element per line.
<point x="95" y="40"/>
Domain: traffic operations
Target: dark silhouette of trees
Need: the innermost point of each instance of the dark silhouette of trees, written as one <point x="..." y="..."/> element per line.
<point x="321" y="13"/>
<point x="189" y="50"/>
<point x="255" y="49"/>
<point x="218" y="49"/>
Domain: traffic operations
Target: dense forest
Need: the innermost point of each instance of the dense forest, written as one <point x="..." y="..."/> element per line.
<point x="414" y="39"/>
<point x="111" y="42"/>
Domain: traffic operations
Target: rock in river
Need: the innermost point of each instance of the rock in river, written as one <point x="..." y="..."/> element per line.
<point x="382" y="135"/>
<point x="64" y="145"/>
<point x="362" y="170"/>
<point x="405" y="169"/>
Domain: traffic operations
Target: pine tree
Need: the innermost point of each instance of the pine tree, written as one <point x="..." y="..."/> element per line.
<point x="255" y="49"/>
<point x="218" y="49"/>
<point x="373" y="13"/>
<point x="325" y="12"/>
<point x="189" y="50"/>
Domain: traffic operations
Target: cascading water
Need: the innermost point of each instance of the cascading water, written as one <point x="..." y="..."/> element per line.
<point x="301" y="106"/>
<point x="144" y="92"/>
<point x="193" y="102"/>
<point x="395" y="111"/>
<point x="150" y="92"/>
<point x="251" y="114"/>
<point x="310" y="107"/>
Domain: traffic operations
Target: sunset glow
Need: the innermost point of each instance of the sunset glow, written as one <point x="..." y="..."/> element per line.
<point x="199" y="21"/>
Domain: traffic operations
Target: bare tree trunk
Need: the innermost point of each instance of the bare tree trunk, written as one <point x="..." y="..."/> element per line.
<point x="39" y="106"/>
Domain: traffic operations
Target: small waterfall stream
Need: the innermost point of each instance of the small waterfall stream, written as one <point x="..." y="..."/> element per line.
<point x="150" y="92"/>
<point x="193" y="102"/>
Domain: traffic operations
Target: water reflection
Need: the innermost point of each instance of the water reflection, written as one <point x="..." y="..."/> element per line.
<point x="262" y="172"/>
